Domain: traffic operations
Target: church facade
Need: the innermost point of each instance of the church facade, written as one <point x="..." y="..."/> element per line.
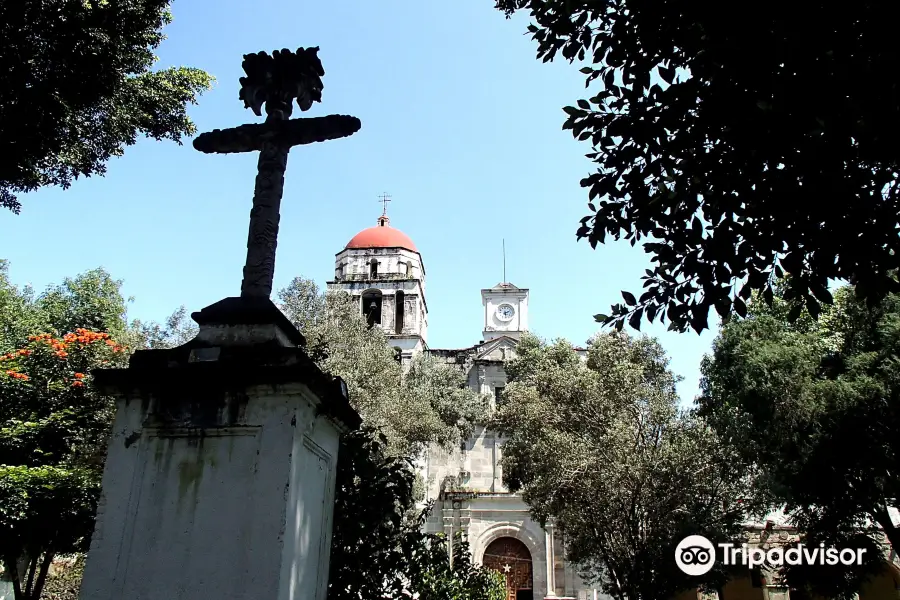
<point x="382" y="268"/>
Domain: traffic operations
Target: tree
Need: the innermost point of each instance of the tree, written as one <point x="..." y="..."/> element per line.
<point x="379" y="549"/>
<point x="92" y="300"/>
<point x="53" y="433"/>
<point x="735" y="166"/>
<point x="812" y="407"/>
<point x="77" y="87"/>
<point x="18" y="319"/>
<point x="437" y="578"/>
<point x="601" y="447"/>
<point x="431" y="403"/>
<point x="177" y="330"/>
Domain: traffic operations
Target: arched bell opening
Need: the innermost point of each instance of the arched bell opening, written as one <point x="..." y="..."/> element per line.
<point x="371" y="307"/>
<point x="398" y="311"/>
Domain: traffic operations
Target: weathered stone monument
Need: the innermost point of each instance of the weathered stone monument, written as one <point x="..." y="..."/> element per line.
<point x="220" y="476"/>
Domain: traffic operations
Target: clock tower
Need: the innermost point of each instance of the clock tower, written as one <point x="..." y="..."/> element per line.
<point x="505" y="311"/>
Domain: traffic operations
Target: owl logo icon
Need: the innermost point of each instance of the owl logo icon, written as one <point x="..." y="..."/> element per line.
<point x="695" y="555"/>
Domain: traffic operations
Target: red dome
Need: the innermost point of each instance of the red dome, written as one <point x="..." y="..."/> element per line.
<point x="381" y="236"/>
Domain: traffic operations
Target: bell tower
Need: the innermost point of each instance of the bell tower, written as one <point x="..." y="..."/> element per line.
<point x="382" y="268"/>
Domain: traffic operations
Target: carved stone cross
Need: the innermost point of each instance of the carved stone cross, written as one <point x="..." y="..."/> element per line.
<point x="274" y="81"/>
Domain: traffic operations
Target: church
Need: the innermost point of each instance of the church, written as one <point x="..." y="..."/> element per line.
<point x="382" y="267"/>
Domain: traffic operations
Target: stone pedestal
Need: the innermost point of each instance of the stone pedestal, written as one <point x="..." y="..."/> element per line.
<point x="220" y="477"/>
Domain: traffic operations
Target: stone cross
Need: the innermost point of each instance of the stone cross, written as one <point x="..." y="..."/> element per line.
<point x="274" y="81"/>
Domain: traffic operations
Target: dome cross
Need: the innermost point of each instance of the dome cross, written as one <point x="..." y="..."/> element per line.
<point x="384" y="199"/>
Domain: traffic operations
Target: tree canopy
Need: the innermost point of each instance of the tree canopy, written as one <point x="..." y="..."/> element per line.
<point x="379" y="549"/>
<point x="430" y="403"/>
<point x="601" y="447"/>
<point x="811" y="408"/>
<point x="53" y="424"/>
<point x="735" y="149"/>
<point x="77" y="86"/>
<point x="53" y="434"/>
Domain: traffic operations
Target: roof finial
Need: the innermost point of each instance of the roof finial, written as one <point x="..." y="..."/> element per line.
<point x="384" y="199"/>
<point x="383" y="219"/>
<point x="504" y="260"/>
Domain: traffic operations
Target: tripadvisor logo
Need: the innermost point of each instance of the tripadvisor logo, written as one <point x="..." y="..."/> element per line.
<point x="696" y="555"/>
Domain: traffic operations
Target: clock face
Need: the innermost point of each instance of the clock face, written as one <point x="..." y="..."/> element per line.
<point x="505" y="312"/>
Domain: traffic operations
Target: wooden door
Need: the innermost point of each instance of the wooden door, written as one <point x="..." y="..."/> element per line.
<point x="511" y="558"/>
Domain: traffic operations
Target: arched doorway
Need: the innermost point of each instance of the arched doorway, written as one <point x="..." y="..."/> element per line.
<point x="511" y="558"/>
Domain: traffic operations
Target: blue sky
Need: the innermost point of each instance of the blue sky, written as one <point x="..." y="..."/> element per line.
<point x="461" y="125"/>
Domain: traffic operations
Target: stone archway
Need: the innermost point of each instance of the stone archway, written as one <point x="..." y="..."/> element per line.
<point x="511" y="558"/>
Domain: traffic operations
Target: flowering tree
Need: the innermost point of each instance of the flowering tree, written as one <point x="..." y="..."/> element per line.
<point x="53" y="430"/>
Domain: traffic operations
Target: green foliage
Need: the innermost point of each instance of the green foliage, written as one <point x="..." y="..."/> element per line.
<point x="39" y="505"/>
<point x="92" y="300"/>
<point x="378" y="551"/>
<point x="53" y="432"/>
<point x="811" y="408"/>
<point x="372" y="536"/>
<point x="436" y="579"/>
<point x="734" y="165"/>
<point x="78" y="86"/>
<point x="177" y="330"/>
<point x="18" y="319"/>
<point x="438" y="406"/>
<point x="430" y="404"/>
<point x="53" y="424"/>
<point x="601" y="447"/>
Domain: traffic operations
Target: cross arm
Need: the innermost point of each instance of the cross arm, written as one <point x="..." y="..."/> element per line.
<point x="289" y="133"/>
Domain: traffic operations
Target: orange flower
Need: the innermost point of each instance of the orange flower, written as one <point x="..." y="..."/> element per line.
<point x="79" y="375"/>
<point x="62" y="354"/>
<point x="77" y="384"/>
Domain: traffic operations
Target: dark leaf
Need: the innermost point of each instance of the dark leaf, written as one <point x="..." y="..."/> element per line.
<point x="635" y="320"/>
